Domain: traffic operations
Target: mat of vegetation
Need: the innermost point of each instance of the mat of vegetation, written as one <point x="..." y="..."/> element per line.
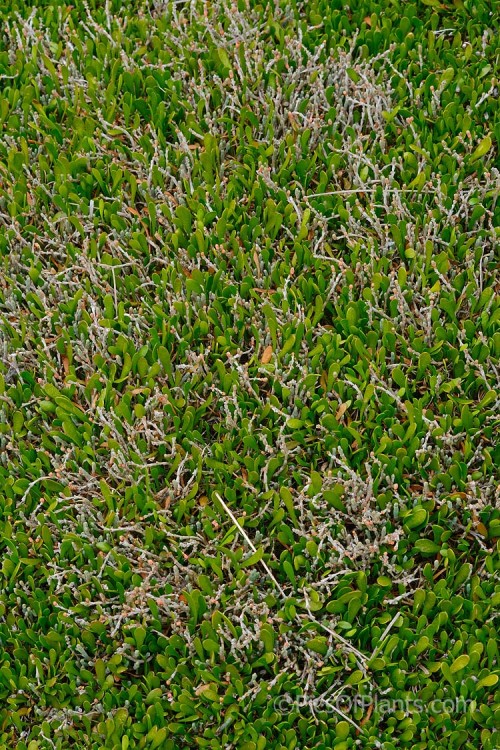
<point x="249" y="374"/>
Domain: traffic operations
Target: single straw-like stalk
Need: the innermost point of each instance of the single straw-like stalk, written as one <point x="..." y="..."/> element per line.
<point x="250" y="543"/>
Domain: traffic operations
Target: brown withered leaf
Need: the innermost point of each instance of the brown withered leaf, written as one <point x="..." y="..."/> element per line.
<point x="257" y="262"/>
<point x="341" y="410"/>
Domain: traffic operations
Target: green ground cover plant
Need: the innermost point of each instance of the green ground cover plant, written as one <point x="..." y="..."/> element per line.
<point x="249" y="374"/>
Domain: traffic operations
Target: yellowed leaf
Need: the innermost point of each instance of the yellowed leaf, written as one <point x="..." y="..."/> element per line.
<point x="203" y="689"/>
<point x="266" y="355"/>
